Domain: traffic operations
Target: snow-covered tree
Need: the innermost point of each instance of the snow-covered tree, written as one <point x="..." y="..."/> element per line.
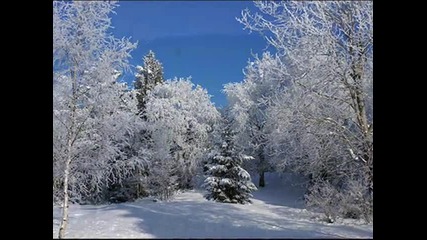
<point x="324" y="125"/>
<point x="93" y="112"/>
<point x="147" y="77"/>
<point x="248" y="103"/>
<point x="179" y="118"/>
<point x="226" y="180"/>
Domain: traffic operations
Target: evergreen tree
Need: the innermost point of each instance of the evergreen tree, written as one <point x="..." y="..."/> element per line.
<point x="227" y="181"/>
<point x="147" y="78"/>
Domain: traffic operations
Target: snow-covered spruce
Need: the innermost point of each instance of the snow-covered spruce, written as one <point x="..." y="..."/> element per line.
<point x="227" y="181"/>
<point x="147" y="77"/>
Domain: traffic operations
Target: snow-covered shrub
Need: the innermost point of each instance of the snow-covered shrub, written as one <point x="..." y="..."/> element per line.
<point x="350" y="201"/>
<point x="128" y="191"/>
<point x="356" y="202"/>
<point x="162" y="181"/>
<point x="324" y="197"/>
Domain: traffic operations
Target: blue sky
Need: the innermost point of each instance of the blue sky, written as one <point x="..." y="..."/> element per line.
<point x="201" y="39"/>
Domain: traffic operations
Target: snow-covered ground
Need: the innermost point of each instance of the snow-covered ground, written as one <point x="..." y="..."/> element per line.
<point x="276" y="212"/>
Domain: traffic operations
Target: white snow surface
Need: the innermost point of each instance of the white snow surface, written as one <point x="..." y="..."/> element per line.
<point x="277" y="211"/>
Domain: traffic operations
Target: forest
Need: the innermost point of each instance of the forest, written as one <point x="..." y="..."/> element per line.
<point x="305" y="109"/>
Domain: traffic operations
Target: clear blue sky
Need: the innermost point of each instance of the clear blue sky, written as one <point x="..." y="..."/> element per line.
<point x="201" y="39"/>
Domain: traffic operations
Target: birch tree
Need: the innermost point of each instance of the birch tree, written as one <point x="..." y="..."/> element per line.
<point x="90" y="112"/>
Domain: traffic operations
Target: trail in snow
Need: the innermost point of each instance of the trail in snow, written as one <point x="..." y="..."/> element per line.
<point x="277" y="211"/>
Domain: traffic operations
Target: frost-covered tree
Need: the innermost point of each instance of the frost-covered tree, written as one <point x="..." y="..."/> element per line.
<point x="324" y="125"/>
<point x="180" y="117"/>
<point x="248" y="103"/>
<point x="162" y="179"/>
<point x="226" y="180"/>
<point x="147" y="77"/>
<point x="93" y="113"/>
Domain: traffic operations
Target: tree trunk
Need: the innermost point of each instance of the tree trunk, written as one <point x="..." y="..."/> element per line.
<point x="261" y="169"/>
<point x="64" y="222"/>
<point x="70" y="141"/>
<point x="361" y="116"/>
<point x="261" y="179"/>
<point x="138" y="184"/>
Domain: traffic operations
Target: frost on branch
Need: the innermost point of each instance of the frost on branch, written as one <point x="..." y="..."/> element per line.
<point x="320" y="121"/>
<point x="180" y="118"/>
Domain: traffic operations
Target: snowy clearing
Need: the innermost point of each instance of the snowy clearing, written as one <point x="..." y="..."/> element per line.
<point x="273" y="214"/>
